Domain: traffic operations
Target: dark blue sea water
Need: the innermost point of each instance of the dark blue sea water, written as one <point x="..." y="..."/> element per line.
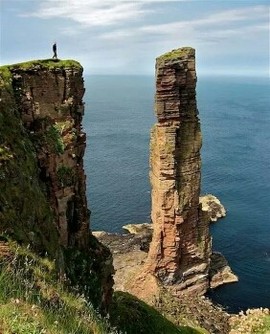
<point x="235" y="120"/>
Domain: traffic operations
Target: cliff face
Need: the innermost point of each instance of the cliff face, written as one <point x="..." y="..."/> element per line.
<point x="181" y="246"/>
<point x="51" y="109"/>
<point x="43" y="100"/>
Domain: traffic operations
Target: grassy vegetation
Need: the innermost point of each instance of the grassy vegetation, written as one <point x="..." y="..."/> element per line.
<point x="5" y="73"/>
<point x="65" y="176"/>
<point x="181" y="312"/>
<point x="5" y="153"/>
<point x="34" y="301"/>
<point x="174" y="54"/>
<point x="42" y="64"/>
<point x="5" y="78"/>
<point x="132" y="315"/>
<point x="266" y="324"/>
<point x="52" y="137"/>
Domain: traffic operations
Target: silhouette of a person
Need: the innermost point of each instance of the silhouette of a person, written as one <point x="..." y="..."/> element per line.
<point x="54" y="51"/>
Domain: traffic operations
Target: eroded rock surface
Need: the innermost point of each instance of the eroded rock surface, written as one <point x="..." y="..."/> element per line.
<point x="180" y="251"/>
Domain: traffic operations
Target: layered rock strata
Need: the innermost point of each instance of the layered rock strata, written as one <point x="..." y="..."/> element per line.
<point x="43" y="101"/>
<point x="180" y="251"/>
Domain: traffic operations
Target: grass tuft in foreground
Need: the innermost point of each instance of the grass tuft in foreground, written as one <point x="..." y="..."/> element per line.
<point x="34" y="301"/>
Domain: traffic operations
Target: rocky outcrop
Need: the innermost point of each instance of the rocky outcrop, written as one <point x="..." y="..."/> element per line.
<point x="220" y="272"/>
<point x="123" y="243"/>
<point x="45" y="99"/>
<point x="144" y="228"/>
<point x="212" y="206"/>
<point x="180" y="251"/>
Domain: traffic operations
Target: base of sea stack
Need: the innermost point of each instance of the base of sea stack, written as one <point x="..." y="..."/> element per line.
<point x="129" y="255"/>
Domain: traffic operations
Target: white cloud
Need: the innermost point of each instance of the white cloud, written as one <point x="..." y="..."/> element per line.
<point x="217" y="19"/>
<point x="129" y="34"/>
<point x="226" y="23"/>
<point x="115" y="16"/>
<point x="245" y="32"/>
<point x="91" y="12"/>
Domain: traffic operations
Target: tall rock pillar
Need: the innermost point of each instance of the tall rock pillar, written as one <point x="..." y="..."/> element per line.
<point x="181" y="246"/>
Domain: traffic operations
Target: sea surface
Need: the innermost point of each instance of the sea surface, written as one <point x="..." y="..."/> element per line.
<point x="235" y="121"/>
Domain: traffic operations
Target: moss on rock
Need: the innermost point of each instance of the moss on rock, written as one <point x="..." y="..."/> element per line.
<point x="24" y="210"/>
<point x="177" y="54"/>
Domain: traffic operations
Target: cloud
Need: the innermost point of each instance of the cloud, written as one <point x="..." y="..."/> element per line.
<point x="224" y="24"/>
<point x="243" y="31"/>
<point x="218" y="19"/>
<point x="126" y="35"/>
<point x="91" y="12"/>
<point x="115" y="20"/>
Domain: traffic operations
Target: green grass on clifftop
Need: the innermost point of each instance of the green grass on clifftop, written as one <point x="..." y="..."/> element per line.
<point x="43" y="64"/>
<point x="176" y="54"/>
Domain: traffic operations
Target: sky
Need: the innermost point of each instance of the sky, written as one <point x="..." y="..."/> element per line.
<point x="125" y="36"/>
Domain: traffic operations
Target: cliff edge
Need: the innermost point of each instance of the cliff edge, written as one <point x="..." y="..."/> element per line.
<point x="42" y="197"/>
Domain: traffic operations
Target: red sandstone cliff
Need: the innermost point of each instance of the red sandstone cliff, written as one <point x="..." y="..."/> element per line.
<point x="51" y="108"/>
<point x="46" y="97"/>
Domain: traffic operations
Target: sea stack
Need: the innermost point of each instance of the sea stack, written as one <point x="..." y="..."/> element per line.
<point x="180" y="250"/>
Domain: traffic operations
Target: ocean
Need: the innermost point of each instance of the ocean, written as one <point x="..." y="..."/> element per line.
<point x="235" y="122"/>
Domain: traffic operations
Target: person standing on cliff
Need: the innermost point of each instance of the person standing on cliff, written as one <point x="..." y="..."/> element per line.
<point x="54" y="50"/>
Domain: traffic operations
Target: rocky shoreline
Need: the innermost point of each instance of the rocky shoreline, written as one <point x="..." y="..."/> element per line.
<point x="130" y="250"/>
